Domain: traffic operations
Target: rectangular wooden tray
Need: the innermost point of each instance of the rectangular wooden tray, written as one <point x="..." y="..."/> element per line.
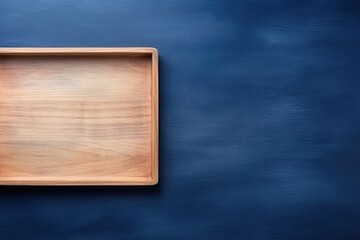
<point x="78" y="116"/>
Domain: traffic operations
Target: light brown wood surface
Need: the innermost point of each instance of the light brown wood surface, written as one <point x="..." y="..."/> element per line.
<point x="78" y="116"/>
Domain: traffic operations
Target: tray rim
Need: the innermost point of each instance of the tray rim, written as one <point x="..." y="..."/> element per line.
<point x="96" y="51"/>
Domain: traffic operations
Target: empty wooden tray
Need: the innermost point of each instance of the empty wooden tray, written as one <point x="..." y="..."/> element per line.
<point x="78" y="116"/>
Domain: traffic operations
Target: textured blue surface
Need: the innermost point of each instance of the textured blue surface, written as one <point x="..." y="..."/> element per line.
<point x="259" y="121"/>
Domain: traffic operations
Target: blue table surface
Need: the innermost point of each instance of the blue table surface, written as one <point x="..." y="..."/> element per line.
<point x="259" y="124"/>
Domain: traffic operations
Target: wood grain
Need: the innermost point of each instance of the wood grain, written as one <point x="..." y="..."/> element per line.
<point x="78" y="116"/>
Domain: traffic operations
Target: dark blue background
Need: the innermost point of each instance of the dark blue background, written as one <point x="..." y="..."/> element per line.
<point x="259" y="121"/>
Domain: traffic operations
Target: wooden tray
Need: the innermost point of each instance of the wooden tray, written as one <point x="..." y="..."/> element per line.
<point x="78" y="116"/>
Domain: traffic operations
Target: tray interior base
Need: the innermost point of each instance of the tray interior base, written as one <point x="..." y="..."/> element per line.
<point x="78" y="119"/>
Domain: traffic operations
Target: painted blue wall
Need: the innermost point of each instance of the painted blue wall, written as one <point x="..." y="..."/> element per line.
<point x="260" y="112"/>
